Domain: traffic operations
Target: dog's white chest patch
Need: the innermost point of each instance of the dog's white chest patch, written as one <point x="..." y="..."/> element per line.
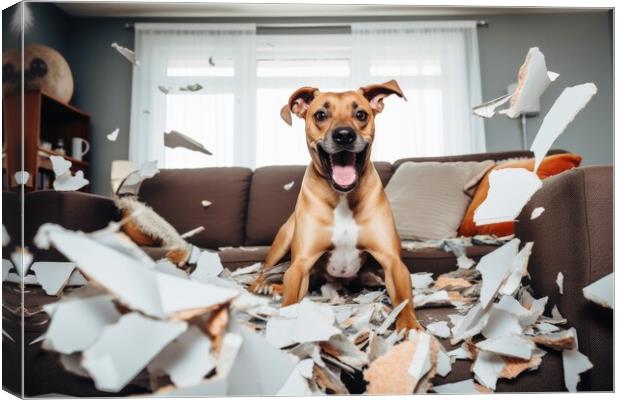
<point x="344" y="260"/>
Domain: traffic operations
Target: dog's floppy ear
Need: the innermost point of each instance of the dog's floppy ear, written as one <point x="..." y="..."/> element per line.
<point x="375" y="93"/>
<point x="298" y="103"/>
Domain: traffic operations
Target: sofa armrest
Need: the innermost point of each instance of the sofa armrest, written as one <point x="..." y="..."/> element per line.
<point x="72" y="210"/>
<point x="575" y="236"/>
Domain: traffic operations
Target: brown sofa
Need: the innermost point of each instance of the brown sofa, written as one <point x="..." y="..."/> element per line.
<point x="248" y="207"/>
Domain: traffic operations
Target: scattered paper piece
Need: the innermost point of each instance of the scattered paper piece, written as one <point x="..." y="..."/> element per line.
<point x="289" y="186"/>
<point x="533" y="80"/>
<point x="64" y="180"/>
<point x="560" y="340"/>
<point x="444" y="363"/>
<point x="509" y="191"/>
<point x="537" y="212"/>
<point x="113" y="135"/>
<point x="518" y="269"/>
<point x="515" y="366"/>
<point x="22" y="177"/>
<point x="421" y="280"/>
<point x="125" y="348"/>
<point x="559" y="280"/>
<point x="511" y="346"/>
<point x="487" y="368"/>
<point x="143" y="288"/>
<point x="389" y="320"/>
<point x="78" y="323"/>
<point x="421" y="360"/>
<point x="439" y="329"/>
<point x="601" y="292"/>
<point x="563" y="112"/>
<point x="575" y="363"/>
<point x="22" y="259"/>
<point x="205" y="203"/>
<point x="193" y="232"/>
<point x="6" y="239"/>
<point x="125" y="52"/>
<point x="209" y="265"/>
<point x="53" y="276"/>
<point x="187" y="359"/>
<point x="462" y="387"/>
<point x="147" y="170"/>
<point x="501" y="322"/>
<point x="445" y="282"/>
<point x="470" y="325"/>
<point x="194" y="87"/>
<point x="174" y="139"/>
<point x="494" y="268"/>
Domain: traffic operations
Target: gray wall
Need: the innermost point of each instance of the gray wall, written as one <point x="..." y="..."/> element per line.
<point x="578" y="46"/>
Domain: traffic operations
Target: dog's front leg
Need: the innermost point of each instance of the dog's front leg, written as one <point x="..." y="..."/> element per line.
<point x="398" y="285"/>
<point x="297" y="278"/>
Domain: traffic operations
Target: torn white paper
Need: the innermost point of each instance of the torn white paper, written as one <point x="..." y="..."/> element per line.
<point x="22" y="177"/>
<point x="439" y="329"/>
<point x="60" y="165"/>
<point x="147" y="170"/>
<point x="421" y="280"/>
<point x="77" y="323"/>
<point x="389" y="320"/>
<point x="494" y="268"/>
<point x="187" y="359"/>
<point x="21" y="259"/>
<point x="487" y="368"/>
<point x="509" y="191"/>
<point x="537" y="212"/>
<point x="205" y="203"/>
<point x="289" y="186"/>
<point x="559" y="280"/>
<point x="125" y="348"/>
<point x="533" y="80"/>
<point x="113" y="135"/>
<point x="421" y="361"/>
<point x="575" y="363"/>
<point x="209" y="265"/>
<point x="563" y="112"/>
<point x="511" y="346"/>
<point x="518" y="269"/>
<point x="174" y="139"/>
<point x="462" y="387"/>
<point x="601" y="292"/>
<point x="125" y="52"/>
<point x="53" y="276"/>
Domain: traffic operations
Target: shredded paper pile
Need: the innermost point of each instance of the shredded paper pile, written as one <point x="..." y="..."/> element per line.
<point x="197" y="330"/>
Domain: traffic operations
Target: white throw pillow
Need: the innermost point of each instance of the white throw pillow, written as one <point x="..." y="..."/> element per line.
<point x="428" y="199"/>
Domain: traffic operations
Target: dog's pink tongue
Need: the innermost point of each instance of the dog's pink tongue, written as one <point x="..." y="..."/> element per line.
<point x="343" y="175"/>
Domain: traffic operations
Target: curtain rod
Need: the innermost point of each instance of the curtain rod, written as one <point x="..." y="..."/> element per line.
<point x="480" y="24"/>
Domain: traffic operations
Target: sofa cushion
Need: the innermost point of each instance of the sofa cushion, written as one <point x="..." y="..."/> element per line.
<point x="497" y="156"/>
<point x="550" y="166"/>
<point x="270" y="205"/>
<point x="428" y="199"/>
<point x="176" y="195"/>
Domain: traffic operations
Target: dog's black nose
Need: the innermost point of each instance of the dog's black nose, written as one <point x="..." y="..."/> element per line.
<point x="343" y="136"/>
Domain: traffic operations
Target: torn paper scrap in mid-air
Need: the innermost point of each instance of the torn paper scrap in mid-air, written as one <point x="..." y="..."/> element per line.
<point x="174" y="139"/>
<point x="113" y="135"/>
<point x="64" y="180"/>
<point x="566" y="107"/>
<point x="533" y="80"/>
<point x="537" y="212"/>
<point x="601" y="292"/>
<point x="509" y="191"/>
<point x="125" y="52"/>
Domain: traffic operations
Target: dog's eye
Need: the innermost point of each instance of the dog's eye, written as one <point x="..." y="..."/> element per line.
<point x="320" y="116"/>
<point x="361" y="115"/>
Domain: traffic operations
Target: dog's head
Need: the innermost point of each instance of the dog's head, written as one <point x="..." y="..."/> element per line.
<point x="340" y="128"/>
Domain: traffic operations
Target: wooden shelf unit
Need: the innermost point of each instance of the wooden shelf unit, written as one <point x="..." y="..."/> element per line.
<point x="45" y="119"/>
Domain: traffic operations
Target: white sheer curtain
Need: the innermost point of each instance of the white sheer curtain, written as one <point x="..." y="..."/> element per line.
<point x="246" y="78"/>
<point x="216" y="59"/>
<point x="437" y="66"/>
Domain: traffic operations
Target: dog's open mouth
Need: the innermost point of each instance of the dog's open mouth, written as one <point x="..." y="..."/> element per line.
<point x="342" y="168"/>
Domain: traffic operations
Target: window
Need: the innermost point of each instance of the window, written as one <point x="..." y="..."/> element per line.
<point x="224" y="86"/>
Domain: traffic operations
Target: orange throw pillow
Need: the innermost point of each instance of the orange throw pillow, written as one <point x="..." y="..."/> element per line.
<point x="551" y="165"/>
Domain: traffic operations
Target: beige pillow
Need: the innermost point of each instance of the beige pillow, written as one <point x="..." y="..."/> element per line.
<point x="429" y="199"/>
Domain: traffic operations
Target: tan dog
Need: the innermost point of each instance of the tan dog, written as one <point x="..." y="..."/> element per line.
<point x="342" y="208"/>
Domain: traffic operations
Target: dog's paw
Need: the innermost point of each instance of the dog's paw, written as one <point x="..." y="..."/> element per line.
<point x="407" y="324"/>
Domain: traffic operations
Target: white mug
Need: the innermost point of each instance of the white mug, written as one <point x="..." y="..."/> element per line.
<point x="77" y="148"/>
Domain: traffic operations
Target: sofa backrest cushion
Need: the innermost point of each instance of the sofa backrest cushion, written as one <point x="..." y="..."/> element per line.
<point x="176" y="195"/>
<point x="497" y="156"/>
<point x="270" y="204"/>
